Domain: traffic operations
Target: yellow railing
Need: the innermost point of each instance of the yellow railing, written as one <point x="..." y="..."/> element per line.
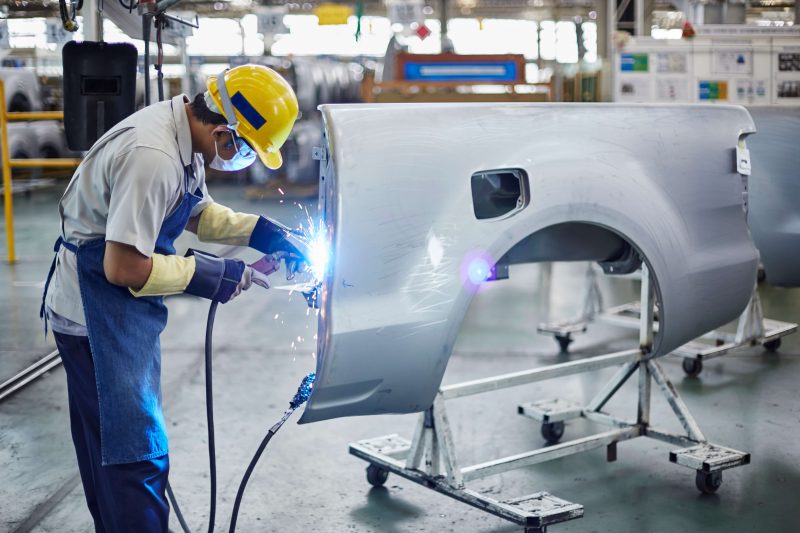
<point x="8" y="163"/>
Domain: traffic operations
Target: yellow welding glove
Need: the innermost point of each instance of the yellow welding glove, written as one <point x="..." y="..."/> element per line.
<point x="222" y="225"/>
<point x="199" y="274"/>
<point x="170" y="274"/>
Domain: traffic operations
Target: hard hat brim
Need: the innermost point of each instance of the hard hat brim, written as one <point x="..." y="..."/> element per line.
<point x="272" y="160"/>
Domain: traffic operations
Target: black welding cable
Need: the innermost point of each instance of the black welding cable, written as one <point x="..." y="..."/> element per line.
<point x="303" y="393"/>
<point x="246" y="478"/>
<point x="174" y="502"/>
<point x="212" y="452"/>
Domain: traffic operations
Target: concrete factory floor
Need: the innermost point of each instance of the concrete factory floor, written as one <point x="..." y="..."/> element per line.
<point x="307" y="481"/>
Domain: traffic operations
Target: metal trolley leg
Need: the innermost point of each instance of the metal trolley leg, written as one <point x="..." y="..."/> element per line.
<point x="429" y="459"/>
<point x="751" y="328"/>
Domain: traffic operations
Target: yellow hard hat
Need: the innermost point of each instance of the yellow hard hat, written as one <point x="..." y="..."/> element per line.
<point x="259" y="105"/>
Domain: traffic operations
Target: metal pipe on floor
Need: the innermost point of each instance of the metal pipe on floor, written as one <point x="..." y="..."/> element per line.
<point x="27" y="376"/>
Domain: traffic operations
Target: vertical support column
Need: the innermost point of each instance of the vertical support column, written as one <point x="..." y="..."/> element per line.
<point x="186" y="80"/>
<point x="417" y="451"/>
<point x="646" y="344"/>
<point x="643" y="408"/>
<point x="593" y="304"/>
<point x="446" y="43"/>
<point x="603" y="48"/>
<point x="611" y="29"/>
<point x="647" y="17"/>
<point x="446" y="445"/>
<point x="646" y="312"/>
<point x="428" y="444"/>
<point x="92" y="22"/>
<point x="638" y="17"/>
<point x="8" y="203"/>
<point x="796" y="13"/>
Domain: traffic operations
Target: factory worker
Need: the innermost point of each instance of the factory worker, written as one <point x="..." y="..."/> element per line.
<point x="134" y="193"/>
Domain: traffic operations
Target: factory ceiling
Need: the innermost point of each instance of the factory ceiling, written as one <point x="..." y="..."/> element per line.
<point x="528" y="9"/>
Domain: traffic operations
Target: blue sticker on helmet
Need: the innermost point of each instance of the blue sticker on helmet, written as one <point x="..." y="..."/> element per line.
<point x="248" y="111"/>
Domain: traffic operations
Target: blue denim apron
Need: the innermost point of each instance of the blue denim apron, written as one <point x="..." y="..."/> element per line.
<point x="124" y="337"/>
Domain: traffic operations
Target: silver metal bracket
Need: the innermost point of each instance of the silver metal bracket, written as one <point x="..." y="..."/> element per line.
<point x="319" y="154"/>
<point x="743" y="160"/>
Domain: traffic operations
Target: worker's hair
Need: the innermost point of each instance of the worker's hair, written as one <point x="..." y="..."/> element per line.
<point x="202" y="113"/>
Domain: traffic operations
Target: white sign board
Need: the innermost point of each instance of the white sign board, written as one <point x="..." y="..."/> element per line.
<point x="670" y="62"/>
<point x="672" y="90"/>
<point x="270" y="20"/>
<point x="732" y="62"/>
<point x="177" y="29"/>
<point x="405" y="12"/>
<point x="56" y="34"/>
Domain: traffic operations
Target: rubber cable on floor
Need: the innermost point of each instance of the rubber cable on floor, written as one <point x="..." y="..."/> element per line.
<point x="212" y="452"/>
<point x="302" y="395"/>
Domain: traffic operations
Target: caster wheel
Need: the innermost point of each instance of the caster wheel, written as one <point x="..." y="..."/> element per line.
<point x="773" y="345"/>
<point x="761" y="277"/>
<point x="376" y="476"/>
<point x="692" y="367"/>
<point x="708" y="482"/>
<point x="563" y="342"/>
<point x="552" y="431"/>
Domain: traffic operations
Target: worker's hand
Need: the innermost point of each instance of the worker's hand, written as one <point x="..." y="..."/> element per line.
<point x="295" y="262"/>
<point x="263" y="268"/>
<point x="237" y="278"/>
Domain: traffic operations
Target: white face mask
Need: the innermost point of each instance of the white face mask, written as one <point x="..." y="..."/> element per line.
<point x="243" y="158"/>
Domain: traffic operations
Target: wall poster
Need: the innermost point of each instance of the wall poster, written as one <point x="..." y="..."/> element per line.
<point x="732" y="62"/>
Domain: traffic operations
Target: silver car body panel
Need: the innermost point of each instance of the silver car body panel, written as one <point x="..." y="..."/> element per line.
<point x="774" y="192"/>
<point x="398" y="204"/>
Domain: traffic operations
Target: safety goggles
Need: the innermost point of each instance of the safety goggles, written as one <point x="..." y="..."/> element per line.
<point x="243" y="149"/>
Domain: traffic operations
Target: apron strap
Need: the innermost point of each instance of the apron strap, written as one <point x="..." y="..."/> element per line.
<point x="59" y="243"/>
<point x="188" y="177"/>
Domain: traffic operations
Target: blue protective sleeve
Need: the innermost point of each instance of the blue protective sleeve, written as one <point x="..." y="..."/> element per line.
<point x="208" y="274"/>
<point x="214" y="277"/>
<point x="268" y="236"/>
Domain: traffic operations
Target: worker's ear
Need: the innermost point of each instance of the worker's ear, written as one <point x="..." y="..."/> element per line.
<point x="219" y="131"/>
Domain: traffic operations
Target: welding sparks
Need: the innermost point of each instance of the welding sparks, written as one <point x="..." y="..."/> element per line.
<point x="319" y="255"/>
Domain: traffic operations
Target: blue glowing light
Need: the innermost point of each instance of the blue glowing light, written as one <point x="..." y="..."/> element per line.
<point x="304" y="391"/>
<point x="478" y="270"/>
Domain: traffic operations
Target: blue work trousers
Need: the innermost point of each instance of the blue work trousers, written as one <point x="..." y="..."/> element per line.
<point x="123" y="497"/>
